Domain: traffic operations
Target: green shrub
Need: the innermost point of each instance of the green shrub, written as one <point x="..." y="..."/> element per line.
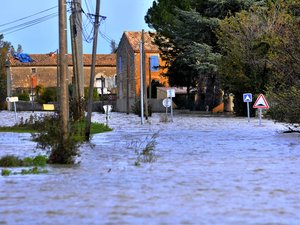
<point x="40" y="160"/>
<point x="5" y="172"/>
<point x="34" y="170"/>
<point x="14" y="161"/>
<point x="24" y="96"/>
<point x="10" y="161"/>
<point x="49" y="137"/>
<point x="95" y="94"/>
<point x="47" y="95"/>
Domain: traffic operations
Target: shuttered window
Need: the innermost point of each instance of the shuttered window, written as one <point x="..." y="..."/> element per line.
<point x="154" y="63"/>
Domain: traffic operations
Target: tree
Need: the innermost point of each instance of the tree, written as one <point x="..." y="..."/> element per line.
<point x="4" y="49"/>
<point x="113" y="46"/>
<point x="243" y="40"/>
<point x="185" y="35"/>
<point x="284" y="88"/>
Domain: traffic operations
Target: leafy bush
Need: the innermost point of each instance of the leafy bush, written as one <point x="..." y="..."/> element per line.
<point x="24" y="96"/>
<point x="46" y="95"/>
<point x="95" y="94"/>
<point x="49" y="137"/>
<point x="10" y="161"/>
<point x="15" y="161"/>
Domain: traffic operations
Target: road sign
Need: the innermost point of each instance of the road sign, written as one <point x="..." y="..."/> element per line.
<point x="247" y="97"/>
<point x="12" y="99"/>
<point x="167" y="102"/>
<point x="261" y="102"/>
<point x="170" y="93"/>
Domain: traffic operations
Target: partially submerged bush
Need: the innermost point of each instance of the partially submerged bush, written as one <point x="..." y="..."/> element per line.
<point x="145" y="149"/>
<point x="10" y="161"/>
<point x="15" y="161"/>
<point x="49" y="137"/>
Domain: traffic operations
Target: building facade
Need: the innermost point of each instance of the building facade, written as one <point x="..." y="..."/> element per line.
<point x="128" y="62"/>
<point x="44" y="71"/>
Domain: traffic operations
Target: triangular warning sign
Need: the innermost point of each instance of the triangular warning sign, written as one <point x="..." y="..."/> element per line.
<point x="261" y="102"/>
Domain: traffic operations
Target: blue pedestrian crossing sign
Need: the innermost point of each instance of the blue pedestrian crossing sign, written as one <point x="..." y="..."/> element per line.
<point x="247" y="97"/>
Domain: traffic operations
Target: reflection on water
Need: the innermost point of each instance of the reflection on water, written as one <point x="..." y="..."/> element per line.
<point x="209" y="171"/>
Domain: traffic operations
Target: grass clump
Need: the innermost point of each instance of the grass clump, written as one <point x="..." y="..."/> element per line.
<point x="13" y="161"/>
<point x="145" y="150"/>
<point x="10" y="161"/>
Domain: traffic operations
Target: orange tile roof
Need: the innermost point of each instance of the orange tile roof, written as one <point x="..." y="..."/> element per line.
<point x="134" y="38"/>
<point x="50" y="60"/>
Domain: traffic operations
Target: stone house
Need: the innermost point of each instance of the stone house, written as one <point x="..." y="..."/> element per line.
<point x="128" y="58"/>
<point x="43" y="70"/>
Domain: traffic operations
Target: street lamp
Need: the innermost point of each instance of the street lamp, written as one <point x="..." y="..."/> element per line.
<point x="102" y="85"/>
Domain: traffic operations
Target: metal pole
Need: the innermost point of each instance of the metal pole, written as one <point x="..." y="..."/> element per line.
<point x="150" y="83"/>
<point x="260" y="115"/>
<point x="141" y="80"/>
<point x="171" y="110"/>
<point x="248" y="112"/>
<point x="144" y="75"/>
<point x="15" y="112"/>
<point x="90" y="102"/>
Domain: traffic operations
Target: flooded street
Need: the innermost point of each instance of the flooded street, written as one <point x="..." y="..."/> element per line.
<point x="209" y="170"/>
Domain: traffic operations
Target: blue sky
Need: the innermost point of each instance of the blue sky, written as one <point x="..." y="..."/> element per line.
<point x="122" y="15"/>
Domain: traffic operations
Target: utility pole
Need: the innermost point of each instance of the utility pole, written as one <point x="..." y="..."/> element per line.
<point x="144" y="75"/>
<point x="91" y="88"/>
<point x="63" y="57"/>
<point x="77" y="57"/>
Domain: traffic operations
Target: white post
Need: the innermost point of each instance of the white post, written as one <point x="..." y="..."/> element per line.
<point x="248" y="112"/>
<point x="260" y="114"/>
<point x="107" y="115"/>
<point x="15" y="112"/>
<point x="171" y="109"/>
<point x="142" y="87"/>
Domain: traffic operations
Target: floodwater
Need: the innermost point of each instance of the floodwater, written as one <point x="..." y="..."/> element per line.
<point x="209" y="170"/>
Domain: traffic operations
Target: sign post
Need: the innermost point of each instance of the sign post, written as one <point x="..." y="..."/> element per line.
<point x="167" y="103"/>
<point x="14" y="100"/>
<point x="261" y="103"/>
<point x="248" y="98"/>
<point x="171" y="94"/>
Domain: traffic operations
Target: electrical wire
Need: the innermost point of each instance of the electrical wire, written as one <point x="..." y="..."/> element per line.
<point x="5" y="24"/>
<point x="27" y="24"/>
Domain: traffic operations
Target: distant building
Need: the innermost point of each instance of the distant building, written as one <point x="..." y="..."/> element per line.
<point x="129" y="67"/>
<point x="43" y="71"/>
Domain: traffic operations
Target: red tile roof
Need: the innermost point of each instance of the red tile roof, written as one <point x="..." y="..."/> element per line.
<point x="135" y="37"/>
<point x="50" y="60"/>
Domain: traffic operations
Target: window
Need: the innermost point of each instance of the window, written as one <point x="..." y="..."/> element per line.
<point x="33" y="70"/>
<point x="154" y="63"/>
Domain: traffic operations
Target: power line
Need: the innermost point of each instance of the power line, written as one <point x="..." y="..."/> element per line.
<point x="27" y="24"/>
<point x="5" y="24"/>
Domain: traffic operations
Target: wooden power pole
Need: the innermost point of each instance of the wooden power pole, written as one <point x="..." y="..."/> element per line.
<point x="77" y="57"/>
<point x="92" y="77"/>
<point x="63" y="57"/>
